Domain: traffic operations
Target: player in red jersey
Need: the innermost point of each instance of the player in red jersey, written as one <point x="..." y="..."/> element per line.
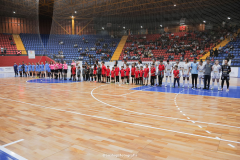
<point x="122" y="71"/>
<point x="133" y="72"/>
<point x="137" y="76"/>
<point x="153" y="72"/>
<point x="73" y="72"/>
<point x="108" y="74"/>
<point x="146" y="75"/>
<point x="161" y="69"/>
<point x="141" y="75"/>
<point x="113" y="75"/>
<point x="103" y="73"/>
<point x="95" y="72"/>
<point x="117" y="73"/>
<point x="176" y="76"/>
<point x="127" y="73"/>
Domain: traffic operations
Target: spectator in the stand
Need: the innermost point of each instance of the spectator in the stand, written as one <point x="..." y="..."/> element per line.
<point x="231" y="48"/>
<point x="215" y="52"/>
<point x="201" y="52"/>
<point x="172" y="57"/>
<point x="192" y="55"/>
<point x="83" y="38"/>
<point x="169" y="57"/>
<point x="79" y="49"/>
<point x="230" y="56"/>
<point x="181" y="58"/>
<point x="125" y="57"/>
<point x="150" y="54"/>
<point x="220" y="48"/>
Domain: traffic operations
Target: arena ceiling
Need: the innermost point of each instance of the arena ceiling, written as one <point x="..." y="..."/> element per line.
<point x="88" y="9"/>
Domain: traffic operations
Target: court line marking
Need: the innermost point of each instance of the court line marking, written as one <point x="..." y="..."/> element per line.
<point x="11" y="153"/>
<point x="139" y="113"/>
<point x="58" y="89"/>
<point x="5" y="145"/>
<point x="197" y="94"/>
<point x="135" y="124"/>
<point x="133" y="92"/>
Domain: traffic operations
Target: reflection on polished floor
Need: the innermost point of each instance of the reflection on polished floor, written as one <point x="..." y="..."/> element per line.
<point x="86" y="120"/>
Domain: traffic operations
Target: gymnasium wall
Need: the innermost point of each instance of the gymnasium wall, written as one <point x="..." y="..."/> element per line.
<point x="6" y="61"/>
<point x="15" y="25"/>
<point x="64" y="26"/>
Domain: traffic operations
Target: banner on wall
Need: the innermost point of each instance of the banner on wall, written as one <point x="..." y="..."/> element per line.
<point x="182" y="28"/>
<point x="31" y="54"/>
<point x="6" y="69"/>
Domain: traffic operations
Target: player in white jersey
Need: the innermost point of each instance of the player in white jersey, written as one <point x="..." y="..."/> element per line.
<point x="201" y="73"/>
<point x="168" y="73"/>
<point x="185" y="71"/>
<point x="216" y="74"/>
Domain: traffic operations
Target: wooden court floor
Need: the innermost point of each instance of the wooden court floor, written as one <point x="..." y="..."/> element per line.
<point x="91" y="121"/>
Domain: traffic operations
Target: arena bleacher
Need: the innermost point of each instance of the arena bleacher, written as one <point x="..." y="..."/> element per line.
<point x="171" y="46"/>
<point x="230" y="51"/>
<point x="85" y="45"/>
<point x="7" y="44"/>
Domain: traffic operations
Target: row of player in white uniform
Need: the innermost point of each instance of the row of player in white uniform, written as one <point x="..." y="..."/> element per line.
<point x="185" y="70"/>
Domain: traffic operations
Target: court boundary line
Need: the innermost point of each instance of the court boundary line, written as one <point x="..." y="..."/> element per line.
<point x="191" y="94"/>
<point x="134" y="111"/>
<point x="8" y="144"/>
<point x="11" y="153"/>
<point x="139" y="113"/>
<point x="135" y="124"/>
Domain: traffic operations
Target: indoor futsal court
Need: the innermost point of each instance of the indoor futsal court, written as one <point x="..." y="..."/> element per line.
<point x="119" y="79"/>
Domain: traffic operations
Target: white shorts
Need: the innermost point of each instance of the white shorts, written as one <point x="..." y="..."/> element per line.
<point x="180" y="74"/>
<point x="168" y="74"/>
<point x="216" y="76"/>
<point x="185" y="75"/>
<point x="200" y="76"/>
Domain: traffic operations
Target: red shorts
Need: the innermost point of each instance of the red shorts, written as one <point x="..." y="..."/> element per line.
<point x="103" y="75"/>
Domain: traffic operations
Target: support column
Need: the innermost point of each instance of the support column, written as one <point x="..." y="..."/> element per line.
<point x="73" y="26"/>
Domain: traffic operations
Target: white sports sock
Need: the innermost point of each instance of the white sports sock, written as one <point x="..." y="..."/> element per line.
<point x="218" y="84"/>
<point x="200" y="82"/>
<point x="188" y="82"/>
<point x="166" y="81"/>
<point x="183" y="82"/>
<point x="213" y="84"/>
<point x="170" y="81"/>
